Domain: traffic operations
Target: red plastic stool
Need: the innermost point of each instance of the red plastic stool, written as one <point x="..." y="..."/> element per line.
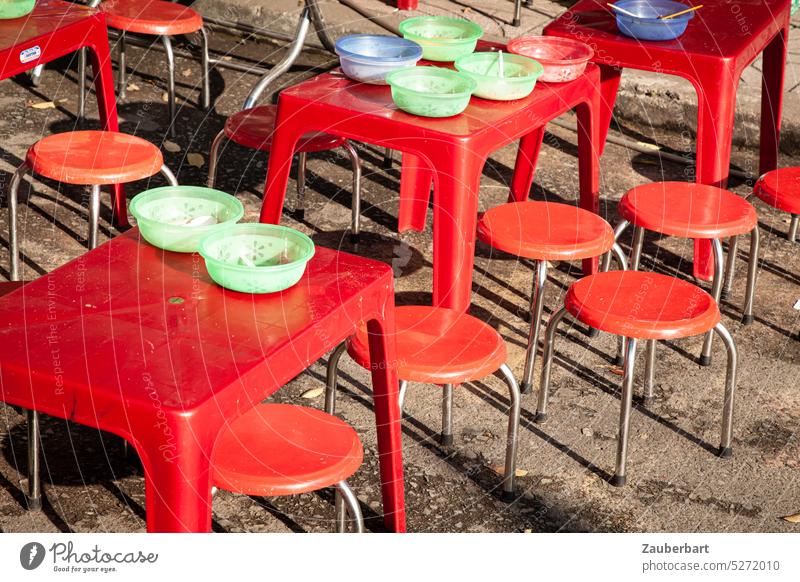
<point x="435" y="345"/>
<point x="282" y="449"/>
<point x="155" y="18"/>
<point x="85" y="158"/>
<point x="253" y="128"/>
<point x="641" y="306"/>
<point x="545" y="231"/>
<point x="698" y="212"/>
<point x="781" y="189"/>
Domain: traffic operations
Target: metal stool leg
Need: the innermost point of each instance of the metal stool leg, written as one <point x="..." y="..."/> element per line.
<point x="36" y="75"/>
<point x="730" y="266"/>
<point x="730" y="390"/>
<point x="206" y="89"/>
<point x="388" y="159"/>
<point x="213" y="155"/>
<point x="402" y="397"/>
<point x="355" y="161"/>
<point x="447" y="415"/>
<point x="636" y="249"/>
<point x="620" y="476"/>
<point x="170" y="83"/>
<point x="752" y="274"/>
<point x="537" y="305"/>
<point x="716" y="289"/>
<point x="81" y="85"/>
<point x="353" y="508"/>
<point x="330" y="385"/>
<point x="793" y="227"/>
<point x="650" y="370"/>
<point x="300" y="206"/>
<point x="618" y="230"/>
<point x="547" y="361"/>
<point x="123" y="73"/>
<point x="517" y="11"/>
<point x="13" y="202"/>
<point x="513" y="429"/>
<point x="94" y="216"/>
<point x="34" y="495"/>
<point x="168" y="175"/>
<point x="622" y="262"/>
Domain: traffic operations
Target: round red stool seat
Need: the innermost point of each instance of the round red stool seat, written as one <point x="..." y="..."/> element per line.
<point x="435" y="345"/>
<point x="94" y="158"/>
<point x="642" y="305"/>
<point x="156" y="17"/>
<point x="780" y="189"/>
<point x="282" y="449"/>
<point x="545" y="231"/>
<point x="253" y="128"/>
<point x="688" y="210"/>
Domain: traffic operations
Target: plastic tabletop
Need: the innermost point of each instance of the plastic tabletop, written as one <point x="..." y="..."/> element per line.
<point x="54" y="29"/>
<point x="141" y="343"/>
<point x="450" y="152"/>
<point x="720" y="41"/>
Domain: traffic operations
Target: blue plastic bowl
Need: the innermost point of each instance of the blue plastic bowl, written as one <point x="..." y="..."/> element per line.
<point x="370" y="57"/>
<point x="647" y="26"/>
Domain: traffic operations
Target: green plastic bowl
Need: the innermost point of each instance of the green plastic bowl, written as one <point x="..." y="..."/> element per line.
<point x="15" y="8"/>
<point x="162" y="215"/>
<point x="519" y="75"/>
<point x="442" y="38"/>
<point x="430" y="91"/>
<point x="256" y="258"/>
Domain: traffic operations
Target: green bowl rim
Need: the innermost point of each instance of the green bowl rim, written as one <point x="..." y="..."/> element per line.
<point x="477" y="30"/>
<point x="260" y="269"/>
<point x="143" y="197"/>
<point x="399" y="73"/>
<point x="513" y="56"/>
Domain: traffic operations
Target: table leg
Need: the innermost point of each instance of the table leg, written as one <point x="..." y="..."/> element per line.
<point x="609" y="83"/>
<point x="107" y="106"/>
<point x="524" y="168"/>
<point x="774" y="63"/>
<point x="288" y="130"/>
<point x="415" y="193"/>
<point x="177" y="473"/>
<point x="716" y="104"/>
<point x="589" y="164"/>
<point x="387" y="419"/>
<point x="457" y="182"/>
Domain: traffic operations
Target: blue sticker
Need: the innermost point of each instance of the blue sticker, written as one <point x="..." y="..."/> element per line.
<point x="30" y="54"/>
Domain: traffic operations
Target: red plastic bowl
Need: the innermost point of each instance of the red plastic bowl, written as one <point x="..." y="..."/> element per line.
<point x="563" y="59"/>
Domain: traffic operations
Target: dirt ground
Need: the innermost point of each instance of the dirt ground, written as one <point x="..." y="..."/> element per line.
<point x="676" y="483"/>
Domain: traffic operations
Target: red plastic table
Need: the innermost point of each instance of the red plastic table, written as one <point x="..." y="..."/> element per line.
<point x="721" y="40"/>
<point x="141" y="343"/>
<point x="56" y="28"/>
<point x="451" y="151"/>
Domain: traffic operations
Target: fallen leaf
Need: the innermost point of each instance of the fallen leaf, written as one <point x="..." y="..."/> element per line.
<point x="797" y="304"/>
<point x="132" y="87"/>
<point x="195" y="159"/>
<point x="792" y="518"/>
<point x="165" y="96"/>
<point x="501" y="470"/>
<point x="171" y="146"/>
<point x="186" y="72"/>
<point x="313" y="393"/>
<point x="617" y="370"/>
<point x="42" y="105"/>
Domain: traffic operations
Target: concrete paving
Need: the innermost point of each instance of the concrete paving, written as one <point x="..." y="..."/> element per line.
<point x="676" y="482"/>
